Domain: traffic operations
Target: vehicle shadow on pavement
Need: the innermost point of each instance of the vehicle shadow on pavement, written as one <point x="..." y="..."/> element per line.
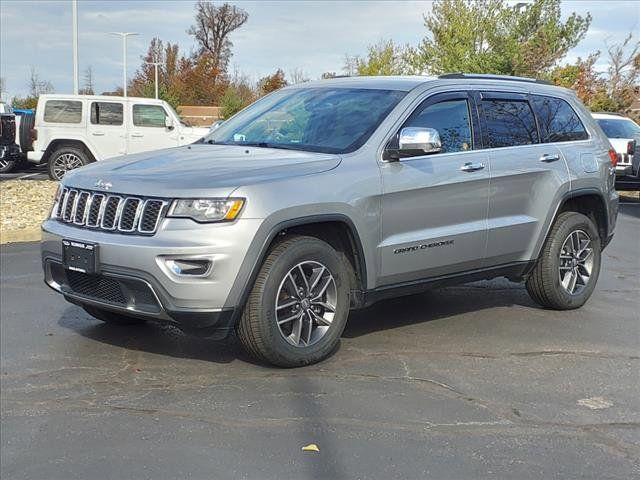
<point x="426" y="307"/>
<point x="152" y="337"/>
<point x="435" y="305"/>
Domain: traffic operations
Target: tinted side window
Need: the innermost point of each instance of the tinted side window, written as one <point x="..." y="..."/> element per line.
<point x="106" y="113"/>
<point x="148" y="116"/>
<point x="558" y="121"/>
<point x="452" y="121"/>
<point x="508" y="123"/>
<point x="62" y="111"/>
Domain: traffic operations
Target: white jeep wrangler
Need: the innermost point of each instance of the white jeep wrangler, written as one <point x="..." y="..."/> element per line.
<point x="74" y="130"/>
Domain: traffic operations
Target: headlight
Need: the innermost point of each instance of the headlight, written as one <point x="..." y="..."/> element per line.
<point x="207" y="209"/>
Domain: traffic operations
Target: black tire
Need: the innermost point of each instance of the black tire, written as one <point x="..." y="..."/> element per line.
<point x="57" y="160"/>
<point x="544" y="285"/>
<point x="258" y="331"/>
<point x="112" y="317"/>
<point x="7" y="166"/>
<point x="26" y="124"/>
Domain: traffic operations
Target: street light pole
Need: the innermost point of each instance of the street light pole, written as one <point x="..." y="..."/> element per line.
<point x="155" y="64"/>
<point x="74" y="31"/>
<point x="124" y="36"/>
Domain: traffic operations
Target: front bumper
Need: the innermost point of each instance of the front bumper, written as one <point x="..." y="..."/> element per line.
<point x="133" y="277"/>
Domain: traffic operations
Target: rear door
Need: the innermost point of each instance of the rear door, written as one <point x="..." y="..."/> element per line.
<point x="106" y="129"/>
<point x="434" y="207"/>
<point x="148" y="130"/>
<point x="527" y="176"/>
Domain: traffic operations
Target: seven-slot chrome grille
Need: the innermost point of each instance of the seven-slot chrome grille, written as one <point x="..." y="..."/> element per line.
<point x="109" y="212"/>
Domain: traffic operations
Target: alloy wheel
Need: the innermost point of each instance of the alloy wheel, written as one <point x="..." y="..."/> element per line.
<point x="576" y="262"/>
<point x="65" y="162"/>
<point x="306" y="303"/>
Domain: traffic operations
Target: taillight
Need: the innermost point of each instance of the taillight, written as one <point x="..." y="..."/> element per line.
<point x="34" y="134"/>
<point x="614" y="157"/>
<point x="631" y="147"/>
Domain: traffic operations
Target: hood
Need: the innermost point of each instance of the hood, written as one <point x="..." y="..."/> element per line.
<point x="198" y="170"/>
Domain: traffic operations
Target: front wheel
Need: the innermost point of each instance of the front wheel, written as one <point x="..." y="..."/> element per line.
<point x="567" y="270"/>
<point x="298" y="306"/>
<point x="65" y="159"/>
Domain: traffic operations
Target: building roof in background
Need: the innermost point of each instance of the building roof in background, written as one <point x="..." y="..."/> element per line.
<point x="199" y="116"/>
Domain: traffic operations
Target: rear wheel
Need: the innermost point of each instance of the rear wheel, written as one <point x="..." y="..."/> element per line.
<point x="65" y="159"/>
<point x="112" y="317"/>
<point x="569" y="265"/>
<point x="299" y="304"/>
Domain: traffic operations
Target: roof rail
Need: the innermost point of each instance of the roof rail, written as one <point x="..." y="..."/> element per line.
<point x="489" y="76"/>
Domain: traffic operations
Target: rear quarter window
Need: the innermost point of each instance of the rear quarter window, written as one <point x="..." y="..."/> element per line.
<point x="557" y="120"/>
<point x="62" y="111"/>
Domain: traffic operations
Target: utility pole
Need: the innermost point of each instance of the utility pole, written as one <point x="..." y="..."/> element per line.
<point x="155" y="64"/>
<point x="74" y="30"/>
<point x="124" y="36"/>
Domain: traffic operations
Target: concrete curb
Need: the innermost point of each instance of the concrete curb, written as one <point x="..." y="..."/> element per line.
<point x="32" y="234"/>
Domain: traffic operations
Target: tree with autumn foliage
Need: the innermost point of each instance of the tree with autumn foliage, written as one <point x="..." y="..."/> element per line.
<point x="271" y="83"/>
<point x="613" y="91"/>
<point x="199" y="78"/>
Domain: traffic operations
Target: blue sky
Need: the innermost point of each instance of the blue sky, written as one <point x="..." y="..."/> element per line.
<point x="310" y="35"/>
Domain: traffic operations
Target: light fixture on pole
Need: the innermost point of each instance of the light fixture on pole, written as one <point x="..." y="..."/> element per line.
<point x="74" y="36"/>
<point x="124" y="36"/>
<point x="155" y="65"/>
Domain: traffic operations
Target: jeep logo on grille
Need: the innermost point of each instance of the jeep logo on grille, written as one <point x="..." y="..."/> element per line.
<point x="103" y="185"/>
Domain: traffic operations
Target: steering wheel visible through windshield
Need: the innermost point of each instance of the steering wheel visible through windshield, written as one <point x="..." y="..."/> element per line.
<point x="329" y="120"/>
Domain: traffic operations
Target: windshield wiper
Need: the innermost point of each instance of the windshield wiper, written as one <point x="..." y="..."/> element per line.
<point x="281" y="146"/>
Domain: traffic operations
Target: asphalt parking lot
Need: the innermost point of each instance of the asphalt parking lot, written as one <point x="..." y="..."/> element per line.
<point x="467" y="382"/>
<point x="28" y="172"/>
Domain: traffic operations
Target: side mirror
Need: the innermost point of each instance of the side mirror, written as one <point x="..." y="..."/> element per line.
<point x="416" y="141"/>
<point x="631" y="147"/>
<point x="168" y="123"/>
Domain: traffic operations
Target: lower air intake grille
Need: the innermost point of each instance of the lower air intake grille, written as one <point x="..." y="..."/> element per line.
<point x="96" y="286"/>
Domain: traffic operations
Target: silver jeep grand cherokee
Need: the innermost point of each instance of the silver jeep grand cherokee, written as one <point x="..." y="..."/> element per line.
<point x="332" y="195"/>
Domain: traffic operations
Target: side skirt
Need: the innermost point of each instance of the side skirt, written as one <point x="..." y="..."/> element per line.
<point x="513" y="271"/>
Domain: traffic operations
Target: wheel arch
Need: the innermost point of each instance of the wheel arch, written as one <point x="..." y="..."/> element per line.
<point x="589" y="202"/>
<point x="57" y="143"/>
<point x="336" y="229"/>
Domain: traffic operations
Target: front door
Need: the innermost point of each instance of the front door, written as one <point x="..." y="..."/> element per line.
<point x="148" y="130"/>
<point x="434" y="207"/>
<point x="106" y="129"/>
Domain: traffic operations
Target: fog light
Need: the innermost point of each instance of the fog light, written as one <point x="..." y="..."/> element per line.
<point x="192" y="267"/>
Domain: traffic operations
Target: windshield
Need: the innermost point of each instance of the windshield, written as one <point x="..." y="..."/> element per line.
<point x="328" y="120"/>
<point x="622" y="128"/>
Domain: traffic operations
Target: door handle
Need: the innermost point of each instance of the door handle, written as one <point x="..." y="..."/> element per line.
<point x="97" y="134"/>
<point x="137" y="135"/>
<point x="549" y="157"/>
<point x="472" y="167"/>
